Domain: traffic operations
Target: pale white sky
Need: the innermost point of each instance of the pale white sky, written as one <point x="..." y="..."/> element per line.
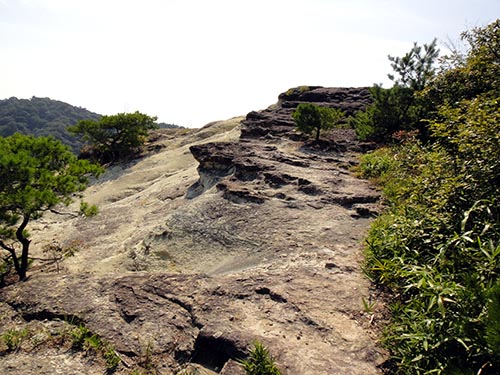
<point x="190" y="62"/>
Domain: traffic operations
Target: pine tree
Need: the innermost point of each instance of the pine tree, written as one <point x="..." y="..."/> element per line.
<point x="35" y="175"/>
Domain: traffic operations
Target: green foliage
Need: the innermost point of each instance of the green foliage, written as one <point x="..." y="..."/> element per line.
<point x="392" y="110"/>
<point x="309" y="117"/>
<point x="87" y="210"/>
<point x="13" y="338"/>
<point x="112" y="359"/>
<point x="83" y="339"/>
<point x="416" y="68"/>
<point x="42" y="117"/>
<point x="259" y="361"/>
<point x="78" y="337"/>
<point x="36" y="174"/>
<point x="375" y="164"/>
<point x="438" y="245"/>
<point x="401" y="107"/>
<point x="477" y="72"/>
<point x="368" y="305"/>
<point x="493" y="322"/>
<point x="115" y="137"/>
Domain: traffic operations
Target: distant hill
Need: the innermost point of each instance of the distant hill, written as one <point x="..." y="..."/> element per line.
<point x="42" y="117"/>
<point x="163" y="125"/>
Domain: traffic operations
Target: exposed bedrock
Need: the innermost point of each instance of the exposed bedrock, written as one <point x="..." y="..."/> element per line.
<point x="266" y="245"/>
<point x="277" y="121"/>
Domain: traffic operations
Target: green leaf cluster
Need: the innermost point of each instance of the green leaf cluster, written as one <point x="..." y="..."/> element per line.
<point x="115" y="137"/>
<point x="437" y="248"/>
<point x="310" y="117"/>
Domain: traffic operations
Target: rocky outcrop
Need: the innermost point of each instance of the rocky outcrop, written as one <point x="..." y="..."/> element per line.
<point x="183" y="272"/>
<point x="277" y="121"/>
<point x="211" y="322"/>
<point x="249" y="171"/>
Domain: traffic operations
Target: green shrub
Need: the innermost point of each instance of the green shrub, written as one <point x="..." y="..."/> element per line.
<point x="83" y="339"/>
<point x="78" y="337"/>
<point x="111" y="358"/>
<point x="112" y="138"/>
<point x="437" y="247"/>
<point x="88" y="210"/>
<point x="377" y="163"/>
<point x="440" y="255"/>
<point x="13" y="338"/>
<point x="259" y="361"/>
<point x="362" y="123"/>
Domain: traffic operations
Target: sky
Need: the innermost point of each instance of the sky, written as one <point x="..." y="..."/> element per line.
<point x="190" y="62"/>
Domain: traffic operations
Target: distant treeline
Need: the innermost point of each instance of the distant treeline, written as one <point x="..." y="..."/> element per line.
<point x="163" y="125"/>
<point x="42" y="117"/>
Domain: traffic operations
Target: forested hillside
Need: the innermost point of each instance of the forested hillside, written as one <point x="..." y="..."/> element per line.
<point x="42" y="117"/>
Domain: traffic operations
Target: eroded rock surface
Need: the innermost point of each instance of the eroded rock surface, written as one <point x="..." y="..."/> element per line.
<point x="206" y="245"/>
<point x="277" y="121"/>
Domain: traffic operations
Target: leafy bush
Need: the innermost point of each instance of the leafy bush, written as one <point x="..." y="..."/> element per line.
<point x="438" y="245"/>
<point x="468" y="75"/>
<point x="259" y="361"/>
<point x="389" y="113"/>
<point x="493" y="320"/>
<point x="437" y="248"/>
<point x="112" y="359"/>
<point x="78" y="337"/>
<point x="376" y="164"/>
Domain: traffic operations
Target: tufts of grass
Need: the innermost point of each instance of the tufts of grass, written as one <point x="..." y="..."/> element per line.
<point x="13" y="338"/>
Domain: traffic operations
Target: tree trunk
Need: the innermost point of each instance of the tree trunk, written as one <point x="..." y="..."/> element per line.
<point x="13" y="255"/>
<point x="317" y="133"/>
<point x="26" y="244"/>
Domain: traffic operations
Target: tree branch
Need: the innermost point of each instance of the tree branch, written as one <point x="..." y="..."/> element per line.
<point x="63" y="213"/>
<point x="6" y="247"/>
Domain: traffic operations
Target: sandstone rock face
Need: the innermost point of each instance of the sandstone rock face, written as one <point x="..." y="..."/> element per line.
<point x="203" y="247"/>
<point x="277" y="121"/>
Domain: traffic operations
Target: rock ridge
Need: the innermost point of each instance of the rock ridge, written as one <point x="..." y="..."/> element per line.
<point x="253" y="236"/>
<point x="276" y="121"/>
